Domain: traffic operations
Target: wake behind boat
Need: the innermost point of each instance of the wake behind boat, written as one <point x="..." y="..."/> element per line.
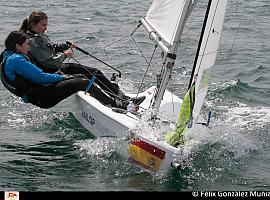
<point x="164" y="22"/>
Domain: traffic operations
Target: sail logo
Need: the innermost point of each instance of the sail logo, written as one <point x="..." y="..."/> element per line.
<point x="11" y="195"/>
<point x="205" y="78"/>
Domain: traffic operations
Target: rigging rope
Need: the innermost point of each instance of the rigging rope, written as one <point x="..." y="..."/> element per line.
<point x="149" y="64"/>
<point x="108" y="91"/>
<point x="234" y="40"/>
<point x="141" y="53"/>
<point x="140" y="50"/>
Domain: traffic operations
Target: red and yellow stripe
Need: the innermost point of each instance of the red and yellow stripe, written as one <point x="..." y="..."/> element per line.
<point x="147" y="155"/>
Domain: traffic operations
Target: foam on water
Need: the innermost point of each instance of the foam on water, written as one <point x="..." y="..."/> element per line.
<point x="98" y="146"/>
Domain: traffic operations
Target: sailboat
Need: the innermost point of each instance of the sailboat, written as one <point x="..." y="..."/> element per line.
<point x="164" y="22"/>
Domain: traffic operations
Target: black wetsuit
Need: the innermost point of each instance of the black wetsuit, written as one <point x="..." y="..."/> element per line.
<point x="44" y="90"/>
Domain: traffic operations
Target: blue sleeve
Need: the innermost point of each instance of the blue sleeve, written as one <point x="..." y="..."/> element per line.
<point x="32" y="73"/>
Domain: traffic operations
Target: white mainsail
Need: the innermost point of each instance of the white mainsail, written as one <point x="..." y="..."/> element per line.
<point x="207" y="52"/>
<point x="167" y="16"/>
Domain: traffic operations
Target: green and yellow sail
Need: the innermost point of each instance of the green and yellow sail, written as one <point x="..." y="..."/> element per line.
<point x="177" y="136"/>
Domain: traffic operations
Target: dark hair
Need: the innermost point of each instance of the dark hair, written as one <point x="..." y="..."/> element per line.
<point x="33" y="19"/>
<point x="13" y="38"/>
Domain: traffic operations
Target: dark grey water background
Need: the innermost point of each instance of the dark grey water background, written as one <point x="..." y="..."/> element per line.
<point x="48" y="150"/>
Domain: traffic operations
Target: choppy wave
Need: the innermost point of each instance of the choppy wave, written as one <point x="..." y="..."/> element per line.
<point x="241" y="92"/>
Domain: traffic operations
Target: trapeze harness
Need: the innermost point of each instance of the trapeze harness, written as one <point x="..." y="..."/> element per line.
<point x="20" y="86"/>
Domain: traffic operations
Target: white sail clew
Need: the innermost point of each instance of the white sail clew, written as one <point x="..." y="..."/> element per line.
<point x="207" y="52"/>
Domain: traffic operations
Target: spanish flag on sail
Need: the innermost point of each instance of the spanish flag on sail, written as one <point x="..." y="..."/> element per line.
<point x="177" y="136"/>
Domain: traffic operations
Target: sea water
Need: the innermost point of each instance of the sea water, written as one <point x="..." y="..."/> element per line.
<point x="48" y="150"/>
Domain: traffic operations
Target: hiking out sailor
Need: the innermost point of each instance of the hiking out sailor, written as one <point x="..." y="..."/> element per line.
<point x="50" y="56"/>
<point x="39" y="88"/>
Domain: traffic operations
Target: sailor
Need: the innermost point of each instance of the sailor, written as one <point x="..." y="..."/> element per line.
<point x="50" y="56"/>
<point x="34" y="86"/>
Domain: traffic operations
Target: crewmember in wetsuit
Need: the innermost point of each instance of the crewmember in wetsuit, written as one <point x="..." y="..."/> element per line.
<point x="50" y="57"/>
<point x="34" y="86"/>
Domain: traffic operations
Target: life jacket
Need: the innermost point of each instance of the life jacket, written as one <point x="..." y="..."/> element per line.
<point x="20" y="86"/>
<point x="36" y="61"/>
<point x="40" y="65"/>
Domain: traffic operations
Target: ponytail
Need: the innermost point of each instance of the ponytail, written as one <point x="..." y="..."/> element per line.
<point x="25" y="25"/>
<point x="32" y="20"/>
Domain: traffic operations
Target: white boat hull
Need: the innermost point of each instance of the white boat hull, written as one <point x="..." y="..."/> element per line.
<point x="102" y="120"/>
<point x="149" y="154"/>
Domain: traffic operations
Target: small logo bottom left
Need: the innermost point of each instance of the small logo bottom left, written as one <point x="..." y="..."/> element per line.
<point x="12" y="196"/>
